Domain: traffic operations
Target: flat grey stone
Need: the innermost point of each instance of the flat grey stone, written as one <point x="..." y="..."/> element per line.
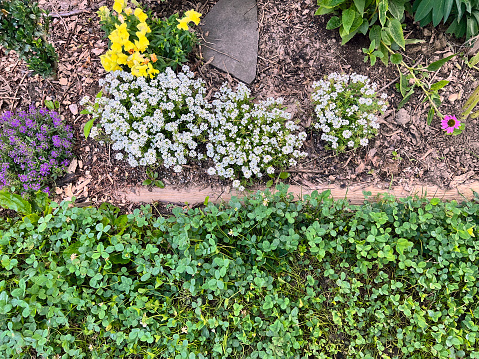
<point x="231" y="34"/>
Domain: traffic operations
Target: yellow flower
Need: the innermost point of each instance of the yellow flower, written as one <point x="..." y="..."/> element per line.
<point x="117" y="47"/>
<point x="140" y="15"/>
<point x="119" y="5"/>
<point x="152" y="71"/>
<point x="135" y="59"/>
<point x="109" y="64"/>
<point x="128" y="11"/>
<point x="120" y="58"/>
<point x="130" y="47"/>
<point x="120" y="35"/>
<point x="142" y="42"/>
<point x="183" y="23"/>
<point x="194" y="16"/>
<point x="143" y="27"/>
<point x="139" y="70"/>
<point x="103" y="13"/>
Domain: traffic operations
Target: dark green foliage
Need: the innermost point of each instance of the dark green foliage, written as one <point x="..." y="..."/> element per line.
<point x="381" y="19"/>
<point x="463" y="15"/>
<point x="24" y="28"/>
<point x="266" y="278"/>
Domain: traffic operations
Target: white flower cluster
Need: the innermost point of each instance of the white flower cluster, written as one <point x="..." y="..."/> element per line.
<point x="346" y="107"/>
<point x="246" y="139"/>
<point x="153" y="121"/>
<point x="167" y="120"/>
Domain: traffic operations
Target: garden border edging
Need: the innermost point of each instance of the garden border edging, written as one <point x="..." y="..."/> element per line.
<point x="196" y="195"/>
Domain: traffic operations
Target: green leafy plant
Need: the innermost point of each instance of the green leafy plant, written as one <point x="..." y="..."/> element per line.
<point x="275" y="179"/>
<point x="24" y="29"/>
<point x="417" y="77"/>
<point x="463" y="15"/>
<point x="470" y="104"/>
<point x="264" y="277"/>
<point x="380" y="19"/>
<point x="152" y="179"/>
<point x="396" y="156"/>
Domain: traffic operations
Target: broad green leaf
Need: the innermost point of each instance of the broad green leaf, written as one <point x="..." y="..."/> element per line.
<point x="383" y="8"/>
<point x="347" y="19"/>
<point x="375" y="35"/>
<point x="403" y="244"/>
<point x="424" y="8"/>
<point x="49" y="104"/>
<point x="386" y="37"/>
<point x="437" y="12"/>
<point x="406" y="98"/>
<point x="396" y="8"/>
<point x="385" y="57"/>
<point x="471" y="27"/>
<point x="159" y="184"/>
<point x="85" y="112"/>
<point x="447" y="9"/>
<point x="147" y="182"/>
<point x="15" y="202"/>
<point x="269" y="183"/>
<point x="438" y="85"/>
<point x="333" y="23"/>
<point x="207" y="198"/>
<point x="284" y="175"/>
<point x="360" y="6"/>
<point x="396" y="59"/>
<point x="436" y="65"/>
<point x="430" y="115"/>
<point x="395" y="30"/>
<point x="474" y="60"/>
<point x="87" y="128"/>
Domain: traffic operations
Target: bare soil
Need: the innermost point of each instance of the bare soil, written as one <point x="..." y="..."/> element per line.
<point x="295" y="50"/>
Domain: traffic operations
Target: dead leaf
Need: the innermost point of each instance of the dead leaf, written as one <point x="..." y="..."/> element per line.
<point x="73" y="166"/>
<point x="73" y="109"/>
<point x="63" y="81"/>
<point x="97" y="52"/>
<point x="360" y="168"/>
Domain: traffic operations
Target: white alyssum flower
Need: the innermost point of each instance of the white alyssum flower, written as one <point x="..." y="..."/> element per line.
<point x="345" y="109"/>
<point x="153" y="121"/>
<point x="250" y="140"/>
<point x="167" y="120"/>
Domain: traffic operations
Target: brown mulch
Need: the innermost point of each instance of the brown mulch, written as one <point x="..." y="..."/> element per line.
<point x="295" y="50"/>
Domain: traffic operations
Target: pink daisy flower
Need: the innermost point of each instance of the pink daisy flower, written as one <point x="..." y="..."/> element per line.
<point x="450" y="123"/>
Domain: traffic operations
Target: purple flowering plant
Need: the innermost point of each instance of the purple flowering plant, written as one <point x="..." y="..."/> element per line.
<point x="35" y="148"/>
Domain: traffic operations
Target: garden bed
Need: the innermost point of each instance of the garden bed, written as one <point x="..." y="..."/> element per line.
<point x="295" y="50"/>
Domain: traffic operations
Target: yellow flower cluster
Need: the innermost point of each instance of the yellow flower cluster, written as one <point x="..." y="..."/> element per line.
<point x="138" y="62"/>
<point x="190" y="15"/>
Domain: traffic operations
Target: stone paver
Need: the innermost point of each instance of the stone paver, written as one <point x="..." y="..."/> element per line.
<point x="231" y="33"/>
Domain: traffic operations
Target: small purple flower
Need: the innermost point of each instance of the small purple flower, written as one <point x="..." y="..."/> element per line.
<point x="57" y="141"/>
<point x="33" y="149"/>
